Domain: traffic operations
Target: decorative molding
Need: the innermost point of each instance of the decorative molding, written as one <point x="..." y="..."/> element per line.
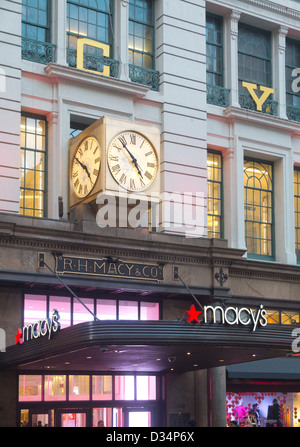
<point x="274" y="7"/>
<point x="238" y="113"/>
<point x="259" y="274"/>
<point x="60" y="73"/>
<point x="234" y="17"/>
<point x="90" y="249"/>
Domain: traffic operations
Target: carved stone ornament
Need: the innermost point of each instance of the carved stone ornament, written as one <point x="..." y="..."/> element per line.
<point x="221" y="277"/>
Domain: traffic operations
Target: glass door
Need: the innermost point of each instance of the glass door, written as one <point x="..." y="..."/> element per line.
<point x="71" y="418"/>
<point x="137" y="417"/>
<point x="39" y="419"/>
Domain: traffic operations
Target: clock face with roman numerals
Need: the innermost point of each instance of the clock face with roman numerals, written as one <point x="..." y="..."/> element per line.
<point x="86" y="167"/>
<point x="132" y="161"/>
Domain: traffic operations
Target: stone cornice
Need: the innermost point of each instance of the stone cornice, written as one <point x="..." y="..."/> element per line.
<point x="275" y="7"/>
<point x="239" y="113"/>
<point x="266" y="5"/>
<point x="61" y="236"/>
<point x="60" y="73"/>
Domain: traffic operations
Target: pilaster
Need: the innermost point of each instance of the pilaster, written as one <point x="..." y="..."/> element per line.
<point x="121" y="37"/>
<point x="279" y="77"/>
<point x="231" y="25"/>
<point x="181" y="61"/>
<point x="59" y="30"/>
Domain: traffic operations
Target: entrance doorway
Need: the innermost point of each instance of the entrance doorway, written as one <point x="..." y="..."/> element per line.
<point x="68" y="420"/>
<point x="72" y="417"/>
<point x="137" y="417"/>
<point x="89" y="417"/>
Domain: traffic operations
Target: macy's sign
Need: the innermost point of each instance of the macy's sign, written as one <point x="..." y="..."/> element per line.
<point x="230" y="315"/>
<point x="41" y="328"/>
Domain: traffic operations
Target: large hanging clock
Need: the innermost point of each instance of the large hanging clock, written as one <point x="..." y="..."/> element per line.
<point x="132" y="161"/>
<point x="85" y="167"/>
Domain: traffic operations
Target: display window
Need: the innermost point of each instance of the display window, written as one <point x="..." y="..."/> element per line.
<point x="269" y="409"/>
<point x="71" y="311"/>
<point x="96" y="400"/>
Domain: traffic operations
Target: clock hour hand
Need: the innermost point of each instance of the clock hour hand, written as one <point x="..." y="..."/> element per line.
<point x="83" y="167"/>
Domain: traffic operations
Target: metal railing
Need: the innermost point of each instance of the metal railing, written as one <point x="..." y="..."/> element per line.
<point x="145" y="76"/>
<point x="218" y="96"/>
<point x="270" y="107"/>
<point x="94" y="63"/>
<point x="293" y="113"/>
<point x="35" y="51"/>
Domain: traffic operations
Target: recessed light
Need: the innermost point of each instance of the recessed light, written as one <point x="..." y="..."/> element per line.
<point x="196" y="365"/>
<point x="221" y="360"/>
<point x="188" y="353"/>
<point x="89" y="357"/>
<point x="67" y="363"/>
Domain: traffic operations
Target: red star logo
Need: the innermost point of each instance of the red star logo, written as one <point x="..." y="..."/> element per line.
<point x="18" y="337"/>
<point x="193" y="314"/>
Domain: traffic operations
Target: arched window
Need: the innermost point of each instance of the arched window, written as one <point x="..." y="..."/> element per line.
<point x="255" y="53"/>
<point x="89" y="19"/>
<point x="258" y="199"/>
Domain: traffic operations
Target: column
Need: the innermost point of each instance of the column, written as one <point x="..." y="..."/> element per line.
<point x="284" y="209"/>
<point x="121" y="37"/>
<point x="59" y="30"/>
<point x="231" y="73"/>
<point x="233" y="164"/>
<point x="8" y="398"/>
<point x="216" y="396"/>
<point x="201" y="414"/>
<point x="52" y="163"/>
<point x="279" y="79"/>
<point x="10" y="105"/>
<point x="181" y="62"/>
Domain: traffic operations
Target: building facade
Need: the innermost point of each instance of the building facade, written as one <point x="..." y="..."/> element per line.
<point x="150" y="200"/>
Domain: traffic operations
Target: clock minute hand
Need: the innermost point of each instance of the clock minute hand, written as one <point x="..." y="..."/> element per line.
<point x="134" y="160"/>
<point x="83" y="167"/>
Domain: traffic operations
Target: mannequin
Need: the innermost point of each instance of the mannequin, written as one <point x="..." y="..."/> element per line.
<point x="240" y="412"/>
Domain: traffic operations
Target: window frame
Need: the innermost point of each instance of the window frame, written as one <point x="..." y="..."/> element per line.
<point x="221" y="183"/>
<point x="297" y="212"/>
<point x="47" y="28"/>
<point x="67" y="398"/>
<point x="110" y="15"/>
<point x="255" y="255"/>
<point x="73" y="300"/>
<point x="221" y="46"/>
<point x="263" y="32"/>
<point x="45" y="152"/>
<point x="290" y="93"/>
<point x="152" y="25"/>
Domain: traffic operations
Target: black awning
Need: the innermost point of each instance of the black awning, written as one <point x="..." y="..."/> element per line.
<point x="157" y="346"/>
